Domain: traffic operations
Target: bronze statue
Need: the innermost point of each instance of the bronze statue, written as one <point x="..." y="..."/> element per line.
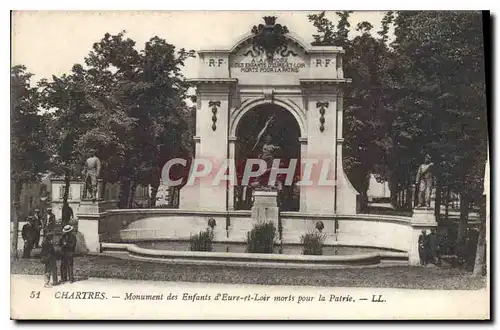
<point x="267" y="154"/>
<point x="425" y="182"/>
<point x="91" y="172"/>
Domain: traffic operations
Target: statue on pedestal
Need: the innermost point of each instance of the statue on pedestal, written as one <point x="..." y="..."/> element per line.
<point x="91" y="172"/>
<point x="425" y="182"/>
<point x="268" y="155"/>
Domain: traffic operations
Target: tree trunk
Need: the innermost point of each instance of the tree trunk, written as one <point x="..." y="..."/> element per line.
<point x="131" y="194"/>
<point x="403" y="197"/>
<point x="67" y="185"/>
<point x="437" y="201"/>
<point x="363" y="200"/>
<point x="154" y="192"/>
<point x="409" y="197"/>
<point x="464" y="214"/>
<point x="18" y="187"/>
<point x="480" y="262"/>
<point x="447" y="205"/>
<point x="393" y="190"/>
<point x="123" y="194"/>
<point x="102" y="189"/>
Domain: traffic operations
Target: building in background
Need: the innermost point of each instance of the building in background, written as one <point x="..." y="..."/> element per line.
<point x="74" y="196"/>
<point x="76" y="191"/>
<point x="378" y="189"/>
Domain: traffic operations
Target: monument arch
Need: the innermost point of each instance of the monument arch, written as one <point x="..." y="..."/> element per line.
<point x="285" y="133"/>
<point x="270" y="67"/>
<point x="250" y="104"/>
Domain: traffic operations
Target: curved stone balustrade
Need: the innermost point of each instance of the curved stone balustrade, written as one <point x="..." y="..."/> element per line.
<point x="129" y="225"/>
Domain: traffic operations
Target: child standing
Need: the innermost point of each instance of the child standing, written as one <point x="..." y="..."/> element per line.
<point x="49" y="258"/>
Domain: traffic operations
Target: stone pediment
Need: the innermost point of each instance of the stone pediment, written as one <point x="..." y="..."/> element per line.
<point x="271" y="55"/>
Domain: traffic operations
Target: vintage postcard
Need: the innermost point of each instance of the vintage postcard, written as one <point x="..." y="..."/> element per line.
<point x="315" y="165"/>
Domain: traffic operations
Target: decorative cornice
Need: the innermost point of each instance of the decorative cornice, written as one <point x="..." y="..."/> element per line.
<point x="218" y="51"/>
<point x="221" y="81"/>
<point x="326" y="49"/>
<point x="307" y="81"/>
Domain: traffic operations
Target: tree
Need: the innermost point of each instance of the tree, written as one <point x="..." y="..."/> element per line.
<point x="65" y="96"/>
<point x="29" y="153"/>
<point x="441" y="97"/>
<point x="147" y="90"/>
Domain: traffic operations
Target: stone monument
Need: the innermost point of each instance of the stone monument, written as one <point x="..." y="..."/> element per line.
<point x="271" y="68"/>
<point x="92" y="204"/>
<point x="423" y="215"/>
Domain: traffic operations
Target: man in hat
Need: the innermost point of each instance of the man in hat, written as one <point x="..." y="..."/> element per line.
<point x="423" y="242"/>
<point x="67" y="243"/>
<point x="37" y="222"/>
<point x="49" y="222"/>
<point x="48" y="257"/>
<point x="28" y="233"/>
<point x="434" y="255"/>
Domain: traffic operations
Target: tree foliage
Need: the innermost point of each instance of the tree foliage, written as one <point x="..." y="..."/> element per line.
<point x="142" y="94"/>
<point x="423" y="93"/>
<point x="126" y="104"/>
<point x="28" y="146"/>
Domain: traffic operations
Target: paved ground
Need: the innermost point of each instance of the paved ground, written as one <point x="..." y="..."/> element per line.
<point x="430" y="277"/>
<point x="120" y="299"/>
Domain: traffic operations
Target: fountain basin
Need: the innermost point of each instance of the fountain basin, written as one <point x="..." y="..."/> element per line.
<point x="228" y="258"/>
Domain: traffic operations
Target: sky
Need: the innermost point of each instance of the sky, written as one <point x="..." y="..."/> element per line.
<point x="50" y="42"/>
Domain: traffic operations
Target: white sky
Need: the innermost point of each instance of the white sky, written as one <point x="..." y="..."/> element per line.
<point x="49" y="42"/>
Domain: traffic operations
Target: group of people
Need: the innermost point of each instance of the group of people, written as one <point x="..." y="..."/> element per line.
<point x="36" y="224"/>
<point x="49" y="256"/>
<point x="428" y="248"/>
<point x="51" y="251"/>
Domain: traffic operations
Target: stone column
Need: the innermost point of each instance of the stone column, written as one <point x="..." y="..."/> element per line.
<point x="321" y="133"/>
<point x="423" y="219"/>
<point x="212" y="125"/>
<point x="340" y="70"/>
<point x="303" y="155"/>
<point x="232" y="155"/>
<point x="346" y="196"/>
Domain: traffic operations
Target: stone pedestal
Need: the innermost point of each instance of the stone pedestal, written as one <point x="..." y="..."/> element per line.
<point x="423" y="219"/>
<point x="89" y="214"/>
<point x="265" y="207"/>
